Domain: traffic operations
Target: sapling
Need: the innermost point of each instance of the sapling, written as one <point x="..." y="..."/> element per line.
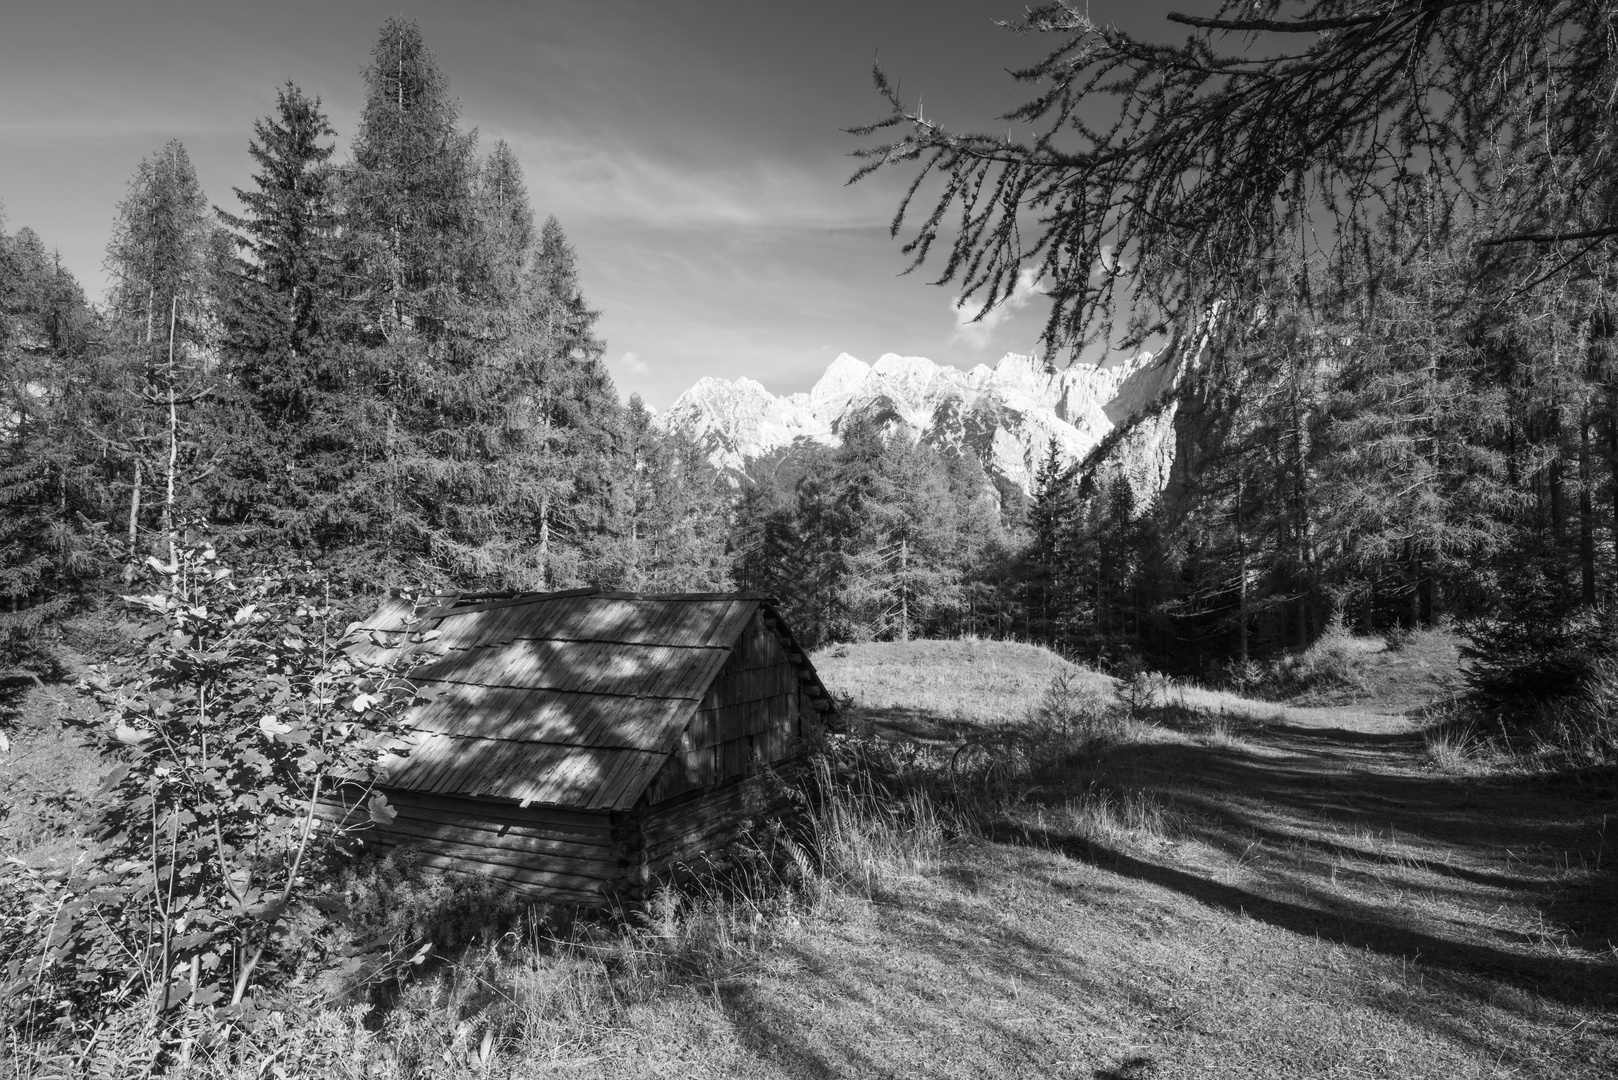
<point x="239" y="714"/>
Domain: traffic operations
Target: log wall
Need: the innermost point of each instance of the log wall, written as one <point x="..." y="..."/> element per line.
<point x="551" y="854"/>
<point x="755" y="713"/>
<point x="674" y="839"/>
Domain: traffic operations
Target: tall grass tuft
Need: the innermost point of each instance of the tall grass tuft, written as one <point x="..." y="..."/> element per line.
<point x="1571" y="731"/>
<point x="869" y="836"/>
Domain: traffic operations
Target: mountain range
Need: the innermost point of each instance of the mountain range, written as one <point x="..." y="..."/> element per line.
<point x="1004" y="415"/>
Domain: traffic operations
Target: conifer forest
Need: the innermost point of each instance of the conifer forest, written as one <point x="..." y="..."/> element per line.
<point x="381" y="363"/>
<point x="1372" y="246"/>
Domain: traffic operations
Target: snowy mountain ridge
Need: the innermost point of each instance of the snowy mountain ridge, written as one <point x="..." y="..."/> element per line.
<point x="1005" y="415"/>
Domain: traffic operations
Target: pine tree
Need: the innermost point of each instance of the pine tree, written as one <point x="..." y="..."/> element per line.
<point x="575" y="412"/>
<point x="505" y="233"/>
<point x="671" y="525"/>
<point x="298" y="418"/>
<point x="408" y="193"/>
<point x="496" y="421"/>
<point x="407" y="231"/>
<point x="164" y="259"/>
<point x="1050" y="592"/>
<point x="52" y="493"/>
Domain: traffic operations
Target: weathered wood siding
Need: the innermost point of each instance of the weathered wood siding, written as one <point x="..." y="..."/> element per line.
<point x="675" y="839"/>
<point x="552" y="854"/>
<point x="754" y="711"/>
<point x="750" y="714"/>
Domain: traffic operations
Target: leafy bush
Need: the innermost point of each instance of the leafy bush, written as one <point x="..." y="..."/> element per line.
<point x="236" y="712"/>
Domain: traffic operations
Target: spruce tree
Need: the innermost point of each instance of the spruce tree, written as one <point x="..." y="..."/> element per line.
<point x="496" y="421"/>
<point x="408" y="193"/>
<point x="52" y="490"/>
<point x="1050" y="591"/>
<point x="298" y="419"/>
<point x="575" y="412"/>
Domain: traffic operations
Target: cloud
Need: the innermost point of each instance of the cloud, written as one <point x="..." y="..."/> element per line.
<point x="977" y="333"/>
<point x="632" y="363"/>
<point x="596" y="175"/>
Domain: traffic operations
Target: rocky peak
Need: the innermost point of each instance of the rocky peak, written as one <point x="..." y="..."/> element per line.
<point x="1004" y="415"/>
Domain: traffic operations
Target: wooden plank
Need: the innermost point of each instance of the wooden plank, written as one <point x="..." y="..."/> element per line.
<point x="502" y="625"/>
<point x="620" y="771"/>
<point x="669" y="626"/>
<point x="595" y="896"/>
<point x="575" y="871"/>
<point x="627" y="788"/>
<point x="463" y="760"/>
<point x="706" y="831"/>
<point x="507" y="871"/>
<point x="744" y="798"/>
<point x="698" y="800"/>
<point x="670" y="841"/>
<point x="685" y="845"/>
<point x="563" y="851"/>
<point x="496" y="831"/>
<point x="653" y="812"/>
<point x="672" y="823"/>
<point x="537" y="817"/>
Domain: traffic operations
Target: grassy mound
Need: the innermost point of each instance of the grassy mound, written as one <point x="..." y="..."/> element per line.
<point x="927" y="689"/>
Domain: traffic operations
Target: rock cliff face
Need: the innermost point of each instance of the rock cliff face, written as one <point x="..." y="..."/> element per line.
<point x="1004" y="415"/>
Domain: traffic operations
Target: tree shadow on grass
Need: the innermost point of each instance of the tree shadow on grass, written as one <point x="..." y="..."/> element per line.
<point x="940" y="992"/>
<point x="1566" y="979"/>
<point x="917" y="725"/>
<point x="13" y="689"/>
<point x="1298" y="806"/>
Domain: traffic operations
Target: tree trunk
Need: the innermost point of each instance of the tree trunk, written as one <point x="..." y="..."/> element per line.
<point x="1415" y="587"/>
<point x="134" y="522"/>
<point x="1587" y="533"/>
<point x="545" y="541"/>
<point x="174" y="442"/>
<point x="904" y="590"/>
<point x="1241" y="561"/>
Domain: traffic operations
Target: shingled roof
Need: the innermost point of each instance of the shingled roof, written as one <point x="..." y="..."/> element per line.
<point x="570" y="699"/>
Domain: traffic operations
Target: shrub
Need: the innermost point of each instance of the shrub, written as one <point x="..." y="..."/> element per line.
<point x="1538" y="654"/>
<point x="235" y="714"/>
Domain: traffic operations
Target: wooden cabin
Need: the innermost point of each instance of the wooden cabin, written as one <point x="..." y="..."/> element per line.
<point x="582" y="745"/>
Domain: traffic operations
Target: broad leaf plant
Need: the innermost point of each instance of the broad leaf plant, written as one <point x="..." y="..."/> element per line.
<point x="242" y="716"/>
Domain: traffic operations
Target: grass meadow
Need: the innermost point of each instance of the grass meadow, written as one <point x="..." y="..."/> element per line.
<point x="1012" y="866"/>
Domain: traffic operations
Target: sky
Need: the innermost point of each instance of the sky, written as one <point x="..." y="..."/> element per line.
<point x="694" y="152"/>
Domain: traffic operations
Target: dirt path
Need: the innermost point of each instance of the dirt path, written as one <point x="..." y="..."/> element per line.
<point x="1313" y="901"/>
<point x="1332" y="820"/>
<point x="1362" y="720"/>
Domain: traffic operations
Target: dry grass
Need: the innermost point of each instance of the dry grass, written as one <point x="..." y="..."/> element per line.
<point x="1457" y="749"/>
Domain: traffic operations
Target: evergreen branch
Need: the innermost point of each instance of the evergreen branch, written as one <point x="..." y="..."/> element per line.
<point x="1550" y="238"/>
